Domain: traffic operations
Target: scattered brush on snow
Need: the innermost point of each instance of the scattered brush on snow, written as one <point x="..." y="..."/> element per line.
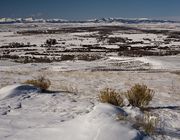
<point x="41" y="82"/>
<point x="67" y="57"/>
<point x="148" y="123"/>
<point x="139" y="95"/>
<point x="110" y="96"/>
<point x="50" y="42"/>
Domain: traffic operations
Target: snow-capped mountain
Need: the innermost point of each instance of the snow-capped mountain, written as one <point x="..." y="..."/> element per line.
<point x="132" y="20"/>
<point x="20" y="20"/>
<point x="101" y="20"/>
<point x="7" y="20"/>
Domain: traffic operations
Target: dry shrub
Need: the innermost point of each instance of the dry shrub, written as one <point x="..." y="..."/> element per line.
<point x="139" y="95"/>
<point x="40" y="82"/>
<point x="110" y="96"/>
<point x="51" y="42"/>
<point x="148" y="123"/>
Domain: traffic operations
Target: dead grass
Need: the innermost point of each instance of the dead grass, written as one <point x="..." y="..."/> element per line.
<point x="148" y="123"/>
<point x="69" y="88"/>
<point x="110" y="96"/>
<point x="41" y="82"/>
<point x="139" y="95"/>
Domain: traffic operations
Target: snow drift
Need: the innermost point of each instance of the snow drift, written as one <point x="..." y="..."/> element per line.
<point x="100" y="124"/>
<point x="16" y="90"/>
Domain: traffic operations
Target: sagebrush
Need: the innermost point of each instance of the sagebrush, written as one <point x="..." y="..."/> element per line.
<point x="41" y="82"/>
<point x="148" y="123"/>
<point x="110" y="96"/>
<point x="139" y="95"/>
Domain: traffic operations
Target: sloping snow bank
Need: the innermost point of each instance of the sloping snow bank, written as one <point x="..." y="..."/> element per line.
<point x="16" y="90"/>
<point x="100" y="124"/>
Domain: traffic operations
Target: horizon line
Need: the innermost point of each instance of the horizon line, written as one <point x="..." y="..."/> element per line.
<point x="99" y="18"/>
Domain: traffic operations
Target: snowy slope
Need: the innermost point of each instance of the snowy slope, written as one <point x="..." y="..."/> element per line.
<point x="26" y="118"/>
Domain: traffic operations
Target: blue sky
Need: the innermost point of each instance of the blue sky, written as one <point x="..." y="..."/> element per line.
<point x="88" y="9"/>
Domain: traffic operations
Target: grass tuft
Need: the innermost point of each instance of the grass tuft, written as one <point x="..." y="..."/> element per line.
<point x="139" y="95"/>
<point x="110" y="96"/>
<point x="148" y="123"/>
<point x="40" y="82"/>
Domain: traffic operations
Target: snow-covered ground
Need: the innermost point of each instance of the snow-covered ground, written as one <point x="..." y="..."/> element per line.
<point x="26" y="112"/>
<point x="70" y="109"/>
<point x="45" y="116"/>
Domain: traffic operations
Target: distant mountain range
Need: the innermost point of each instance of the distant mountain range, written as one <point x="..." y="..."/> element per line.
<point x="102" y="20"/>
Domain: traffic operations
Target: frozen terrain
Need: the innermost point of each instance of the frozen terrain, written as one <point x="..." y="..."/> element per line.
<point x="42" y="123"/>
<point x="85" y="59"/>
